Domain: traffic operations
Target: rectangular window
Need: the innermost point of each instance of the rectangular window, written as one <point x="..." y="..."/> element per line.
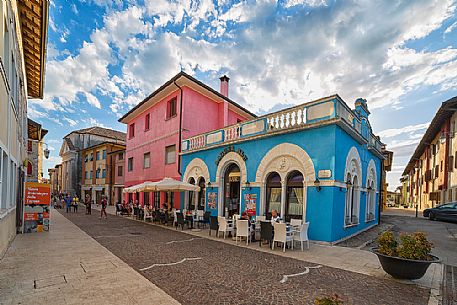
<point x="90" y="175"/>
<point x="146" y="122"/>
<point x="146" y="198"/>
<point x="104" y="173"/>
<point x="441" y="166"/>
<point x="91" y="157"/>
<point x="97" y="155"/>
<point x="86" y="175"/>
<point x="121" y="156"/>
<point x="147" y="160"/>
<point x="97" y="174"/>
<point x="170" y="154"/>
<point x="132" y="130"/>
<point x="120" y="170"/>
<point x="130" y="164"/>
<point x="156" y="200"/>
<point x="169" y="199"/>
<point x="29" y="146"/>
<point x="171" y="108"/>
<point x="104" y="154"/>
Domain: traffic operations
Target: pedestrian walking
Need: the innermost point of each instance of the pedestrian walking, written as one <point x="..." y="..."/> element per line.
<point x="75" y="204"/>
<point x="103" y="203"/>
<point x="67" y="201"/>
<point x="88" y="204"/>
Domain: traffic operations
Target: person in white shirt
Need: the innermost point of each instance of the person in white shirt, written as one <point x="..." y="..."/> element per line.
<point x="274" y="216"/>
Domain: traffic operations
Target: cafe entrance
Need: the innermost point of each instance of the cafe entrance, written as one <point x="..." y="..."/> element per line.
<point x="232" y="189"/>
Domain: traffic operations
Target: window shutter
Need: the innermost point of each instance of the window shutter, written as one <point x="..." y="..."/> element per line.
<point x="451" y="164"/>
<point x="437" y="171"/>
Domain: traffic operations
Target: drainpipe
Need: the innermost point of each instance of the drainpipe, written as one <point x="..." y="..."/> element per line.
<point x="180" y="129"/>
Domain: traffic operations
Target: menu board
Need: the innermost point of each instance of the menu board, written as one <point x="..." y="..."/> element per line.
<point x="212" y="200"/>
<point x="36" y="207"/>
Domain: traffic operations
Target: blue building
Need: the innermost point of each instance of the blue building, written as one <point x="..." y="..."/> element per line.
<point x="318" y="161"/>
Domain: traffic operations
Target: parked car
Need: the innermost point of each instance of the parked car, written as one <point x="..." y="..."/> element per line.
<point x="447" y="211"/>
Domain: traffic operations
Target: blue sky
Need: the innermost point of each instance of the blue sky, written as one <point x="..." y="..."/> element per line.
<point x="105" y="56"/>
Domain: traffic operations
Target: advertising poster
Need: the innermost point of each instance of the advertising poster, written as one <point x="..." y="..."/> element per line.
<point x="250" y="201"/>
<point x="37" y="201"/>
<point x="212" y="200"/>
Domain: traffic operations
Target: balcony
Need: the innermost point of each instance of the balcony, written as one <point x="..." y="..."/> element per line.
<point x="330" y="110"/>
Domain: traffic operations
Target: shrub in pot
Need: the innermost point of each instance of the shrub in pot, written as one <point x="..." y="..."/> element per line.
<point x="407" y="259"/>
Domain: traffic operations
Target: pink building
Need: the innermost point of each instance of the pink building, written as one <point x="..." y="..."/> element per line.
<point x="179" y="109"/>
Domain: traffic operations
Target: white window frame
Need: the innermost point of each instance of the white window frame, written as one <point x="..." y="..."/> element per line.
<point x="148" y="155"/>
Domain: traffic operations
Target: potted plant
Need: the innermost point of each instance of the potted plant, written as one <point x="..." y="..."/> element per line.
<point x="408" y="258"/>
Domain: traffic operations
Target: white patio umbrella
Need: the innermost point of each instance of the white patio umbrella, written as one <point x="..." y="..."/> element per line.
<point x="136" y="188"/>
<point x="170" y="184"/>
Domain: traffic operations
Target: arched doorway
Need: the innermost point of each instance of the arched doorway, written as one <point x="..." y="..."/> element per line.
<point x="191" y="205"/>
<point x="201" y="194"/>
<point x="232" y="179"/>
<point x="294" y="198"/>
<point x="273" y="193"/>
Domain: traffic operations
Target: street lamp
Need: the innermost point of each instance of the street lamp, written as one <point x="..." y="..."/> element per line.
<point x="46" y="151"/>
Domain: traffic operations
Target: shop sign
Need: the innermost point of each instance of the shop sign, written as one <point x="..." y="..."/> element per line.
<point x="325" y="173"/>
<point x="212" y="200"/>
<point x="36" y="207"/>
<point x="250" y="201"/>
<point x="228" y="149"/>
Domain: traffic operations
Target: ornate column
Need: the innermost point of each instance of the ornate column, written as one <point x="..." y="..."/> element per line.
<point x="305" y="195"/>
<point x="283" y="198"/>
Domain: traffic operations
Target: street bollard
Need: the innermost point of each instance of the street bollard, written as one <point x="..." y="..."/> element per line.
<point x="417" y="206"/>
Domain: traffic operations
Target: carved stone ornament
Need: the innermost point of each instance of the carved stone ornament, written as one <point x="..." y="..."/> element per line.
<point x="283" y="164"/>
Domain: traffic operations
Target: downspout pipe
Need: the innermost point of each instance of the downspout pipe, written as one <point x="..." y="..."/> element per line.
<point x="180" y="128"/>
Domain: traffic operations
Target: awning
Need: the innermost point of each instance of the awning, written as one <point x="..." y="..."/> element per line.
<point x="165" y="185"/>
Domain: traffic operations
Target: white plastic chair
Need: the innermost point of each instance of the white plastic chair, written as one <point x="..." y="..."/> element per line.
<point x="282" y="235"/>
<point x="200" y="214"/>
<point x="296" y="223"/>
<point x="224" y="226"/>
<point x="243" y="229"/>
<point x="147" y="215"/>
<point x="302" y="235"/>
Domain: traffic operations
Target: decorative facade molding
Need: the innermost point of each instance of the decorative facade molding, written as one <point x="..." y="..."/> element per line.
<point x="353" y="166"/>
<point x="231" y="157"/>
<point x="371" y="175"/>
<point x="195" y="169"/>
<point x="283" y="159"/>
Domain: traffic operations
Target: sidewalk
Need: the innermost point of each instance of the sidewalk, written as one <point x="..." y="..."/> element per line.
<point x="66" y="266"/>
<point x="349" y="259"/>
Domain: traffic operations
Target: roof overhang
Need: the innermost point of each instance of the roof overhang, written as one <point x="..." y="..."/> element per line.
<point x="33" y="17"/>
<point x="182" y="79"/>
<point x="35" y="131"/>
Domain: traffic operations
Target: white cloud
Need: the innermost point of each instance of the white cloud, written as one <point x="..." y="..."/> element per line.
<point x="70" y="121"/>
<point x="91" y="99"/>
<point x="389" y="133"/>
<point x="451" y="28"/>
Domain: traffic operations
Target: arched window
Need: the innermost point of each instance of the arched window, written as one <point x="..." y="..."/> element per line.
<point x="352" y="201"/>
<point x="273" y="197"/>
<point x="202" y="194"/>
<point x="371" y="201"/>
<point x="294" y="200"/>
<point x="29" y="168"/>
<point x="191" y="195"/>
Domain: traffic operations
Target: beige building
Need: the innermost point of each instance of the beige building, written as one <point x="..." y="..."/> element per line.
<point x="71" y="152"/>
<point x="23" y="31"/>
<point x="35" y="151"/>
<point x="99" y="171"/>
<point x="431" y="173"/>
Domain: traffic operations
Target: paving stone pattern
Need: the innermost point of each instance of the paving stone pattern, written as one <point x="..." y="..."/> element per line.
<point x="228" y="274"/>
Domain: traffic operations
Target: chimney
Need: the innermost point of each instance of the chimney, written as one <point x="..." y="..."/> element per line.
<point x="224" y="85"/>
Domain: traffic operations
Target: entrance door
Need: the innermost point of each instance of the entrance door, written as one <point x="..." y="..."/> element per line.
<point x="232" y="190"/>
<point x="119" y="195"/>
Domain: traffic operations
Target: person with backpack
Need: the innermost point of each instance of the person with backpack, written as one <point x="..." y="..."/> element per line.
<point x="103" y="203"/>
<point x="68" y="201"/>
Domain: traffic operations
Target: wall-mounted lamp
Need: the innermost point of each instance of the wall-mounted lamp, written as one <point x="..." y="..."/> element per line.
<point x="317" y="184"/>
<point x="369" y="188"/>
<point x="209" y="185"/>
<point x="248" y="185"/>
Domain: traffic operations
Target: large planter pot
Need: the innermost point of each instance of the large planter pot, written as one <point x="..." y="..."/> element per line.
<point x="402" y="268"/>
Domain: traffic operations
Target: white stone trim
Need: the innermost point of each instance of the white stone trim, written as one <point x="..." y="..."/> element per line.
<point x="353" y="165"/>
<point x="283" y="159"/>
<point x="195" y="169"/>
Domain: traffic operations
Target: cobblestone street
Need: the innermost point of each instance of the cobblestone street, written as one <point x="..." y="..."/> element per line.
<point x="219" y="273"/>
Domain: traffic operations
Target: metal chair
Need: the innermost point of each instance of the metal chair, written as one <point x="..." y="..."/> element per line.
<point x="205" y="220"/>
<point x="266" y="232"/>
<point x="213" y="225"/>
<point x="180" y="221"/>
